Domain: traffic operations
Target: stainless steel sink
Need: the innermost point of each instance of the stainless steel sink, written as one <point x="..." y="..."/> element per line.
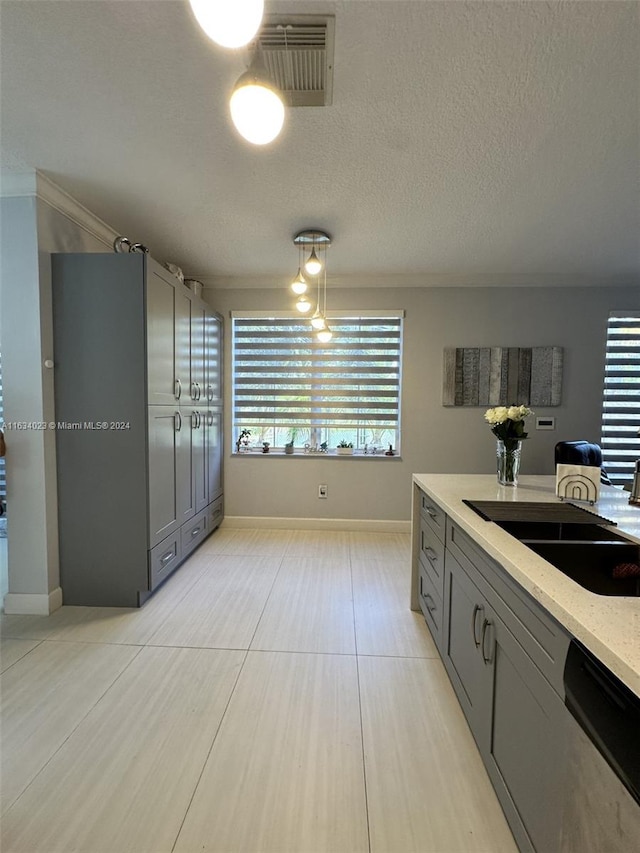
<point x="553" y="530"/>
<point x="591" y="564"/>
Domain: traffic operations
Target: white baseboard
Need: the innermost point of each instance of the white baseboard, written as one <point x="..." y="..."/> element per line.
<point x="356" y="524"/>
<point x="20" y="603"/>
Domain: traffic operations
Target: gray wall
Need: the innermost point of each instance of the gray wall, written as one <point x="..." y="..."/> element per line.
<point x="434" y="438"/>
<point x="31" y="230"/>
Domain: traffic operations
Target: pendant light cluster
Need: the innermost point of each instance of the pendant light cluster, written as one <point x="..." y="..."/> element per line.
<point x="313" y="244"/>
<point x="256" y="105"/>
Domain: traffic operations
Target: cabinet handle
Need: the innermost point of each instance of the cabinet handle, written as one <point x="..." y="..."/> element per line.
<point x="193" y="391"/>
<point x="210" y="419"/>
<point x="177" y="420"/>
<point x="178" y="389"/>
<point x="427" y="599"/>
<point x="486" y="624"/>
<point x="431" y="554"/>
<point x="209" y="393"/>
<point x="478" y="608"/>
<point x="168" y="556"/>
<point x="195" y="531"/>
<point x="431" y="511"/>
<point x="198" y="390"/>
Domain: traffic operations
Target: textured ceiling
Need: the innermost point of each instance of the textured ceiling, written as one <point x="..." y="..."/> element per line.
<point x="480" y="142"/>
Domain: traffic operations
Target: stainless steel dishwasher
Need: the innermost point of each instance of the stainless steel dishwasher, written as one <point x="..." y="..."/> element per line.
<point x="602" y="788"/>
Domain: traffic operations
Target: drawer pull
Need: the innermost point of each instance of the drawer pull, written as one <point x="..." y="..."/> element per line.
<point x="431" y="554"/>
<point x="168" y="556"/>
<point x="478" y="608"/>
<point x="431" y="511"/>
<point x="195" y="531"/>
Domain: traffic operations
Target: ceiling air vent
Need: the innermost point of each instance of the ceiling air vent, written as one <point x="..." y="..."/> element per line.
<point x="298" y="53"/>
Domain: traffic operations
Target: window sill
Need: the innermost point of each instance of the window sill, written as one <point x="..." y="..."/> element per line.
<point x="301" y="454"/>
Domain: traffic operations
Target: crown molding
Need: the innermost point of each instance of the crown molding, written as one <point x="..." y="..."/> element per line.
<point x="38" y="185"/>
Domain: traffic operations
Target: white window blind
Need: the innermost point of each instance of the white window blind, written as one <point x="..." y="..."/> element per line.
<point x="621" y="405"/>
<point x="287" y="384"/>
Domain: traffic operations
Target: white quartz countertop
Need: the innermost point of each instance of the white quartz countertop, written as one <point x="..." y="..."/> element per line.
<point x="607" y="625"/>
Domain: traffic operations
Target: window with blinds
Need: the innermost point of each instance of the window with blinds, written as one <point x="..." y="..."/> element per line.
<point x="621" y="405"/>
<point x="288" y="387"/>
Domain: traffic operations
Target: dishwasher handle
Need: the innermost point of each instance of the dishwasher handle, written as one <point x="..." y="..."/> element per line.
<point x="607" y="711"/>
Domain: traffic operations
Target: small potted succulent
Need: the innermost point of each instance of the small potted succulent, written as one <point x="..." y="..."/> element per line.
<point x="265" y="446"/>
<point x="345" y="448"/>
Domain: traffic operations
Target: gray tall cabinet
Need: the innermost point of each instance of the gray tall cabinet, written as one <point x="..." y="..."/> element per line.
<point x="138" y="398"/>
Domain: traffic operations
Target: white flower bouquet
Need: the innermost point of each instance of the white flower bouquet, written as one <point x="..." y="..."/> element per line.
<point x="507" y="423"/>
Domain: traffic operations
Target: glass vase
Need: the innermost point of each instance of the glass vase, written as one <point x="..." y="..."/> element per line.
<point x="508" y="459"/>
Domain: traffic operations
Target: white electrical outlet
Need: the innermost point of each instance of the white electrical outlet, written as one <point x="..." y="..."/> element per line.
<point x="322" y="490"/>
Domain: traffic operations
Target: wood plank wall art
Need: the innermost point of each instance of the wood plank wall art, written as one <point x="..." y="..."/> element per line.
<point x="502" y="376"/>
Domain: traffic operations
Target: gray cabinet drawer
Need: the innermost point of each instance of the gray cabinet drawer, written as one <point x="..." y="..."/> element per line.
<point x="215" y="514"/>
<point x="544" y="639"/>
<point x="433" y="515"/>
<point x="164" y="559"/>
<point x="193" y="532"/>
<point x="432" y="555"/>
<point x="431" y="606"/>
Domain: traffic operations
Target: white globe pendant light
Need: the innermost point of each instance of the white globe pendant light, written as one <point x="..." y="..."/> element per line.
<point x="324" y="335"/>
<point x="313" y="264"/>
<point x="256" y="105"/>
<point x="229" y="23"/>
<point x="299" y="285"/>
<point x="303" y="304"/>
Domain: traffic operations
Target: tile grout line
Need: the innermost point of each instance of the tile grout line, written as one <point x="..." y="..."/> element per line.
<point x="357" y="657"/>
<point x="22" y="657"/>
<point x="210" y="750"/>
<point x="72" y="732"/>
<point x="264" y="606"/>
<point x="226" y="707"/>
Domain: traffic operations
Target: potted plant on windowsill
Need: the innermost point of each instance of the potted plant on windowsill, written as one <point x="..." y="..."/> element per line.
<point x="288" y="448"/>
<point x="345" y="448"/>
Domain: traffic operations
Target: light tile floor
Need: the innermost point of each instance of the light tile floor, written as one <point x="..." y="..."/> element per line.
<point x="276" y="695"/>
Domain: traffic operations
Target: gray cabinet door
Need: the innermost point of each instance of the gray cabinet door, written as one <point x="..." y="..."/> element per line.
<point x="198" y="388"/>
<point x="528" y="744"/>
<point x="182" y="346"/>
<point x="161" y="319"/>
<point x="185" y="483"/>
<point x="213" y="357"/>
<point x="214" y="454"/>
<point x="468" y="650"/>
<point x="163" y="425"/>
<point x="200" y="465"/>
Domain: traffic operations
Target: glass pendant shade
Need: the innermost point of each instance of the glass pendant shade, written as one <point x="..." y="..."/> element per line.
<point x="257" y="110"/>
<point x="299" y="285"/>
<point x="318" y="321"/>
<point x="324" y="335"/>
<point x="313" y="264"/>
<point x="229" y="24"/>
<point x="303" y="305"/>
